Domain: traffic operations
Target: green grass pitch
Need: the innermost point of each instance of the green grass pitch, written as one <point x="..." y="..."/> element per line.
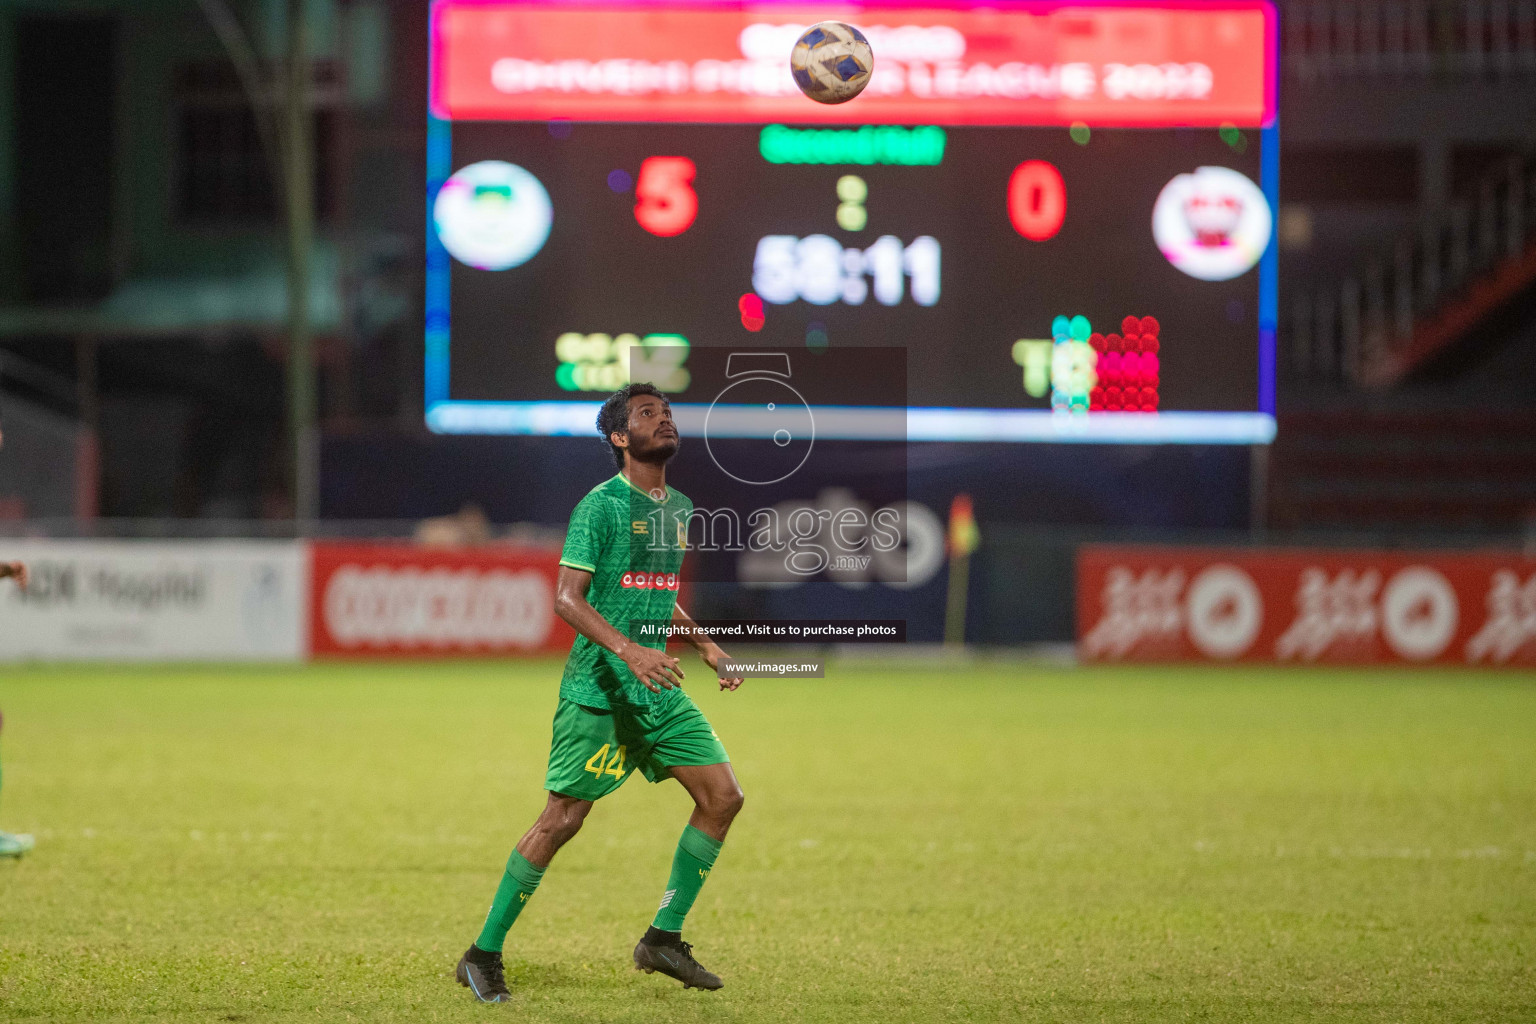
<point x="1000" y="841"/>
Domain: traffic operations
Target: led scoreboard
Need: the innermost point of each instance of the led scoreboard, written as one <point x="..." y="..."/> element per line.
<point x="1059" y="216"/>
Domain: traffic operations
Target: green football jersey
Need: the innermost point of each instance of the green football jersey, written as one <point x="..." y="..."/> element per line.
<point x="632" y="544"/>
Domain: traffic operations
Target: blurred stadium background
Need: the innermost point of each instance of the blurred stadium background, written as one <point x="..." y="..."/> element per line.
<point x="215" y="254"/>
<point x="153" y="374"/>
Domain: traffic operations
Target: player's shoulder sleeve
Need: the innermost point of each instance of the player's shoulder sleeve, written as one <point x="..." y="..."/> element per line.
<point x="590" y="529"/>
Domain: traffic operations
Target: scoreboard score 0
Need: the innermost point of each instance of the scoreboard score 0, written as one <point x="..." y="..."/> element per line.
<point x="1062" y="215"/>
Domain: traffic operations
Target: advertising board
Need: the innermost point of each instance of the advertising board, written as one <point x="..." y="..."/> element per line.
<point x="1304" y="606"/>
<point x="155" y="600"/>
<point x="401" y="600"/>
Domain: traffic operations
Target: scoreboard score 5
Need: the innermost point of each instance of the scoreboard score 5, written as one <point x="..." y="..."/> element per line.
<point x="1062" y="215"/>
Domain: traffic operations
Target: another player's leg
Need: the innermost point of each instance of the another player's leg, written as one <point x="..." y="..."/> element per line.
<point x="14" y="844"/>
<point x="717" y="798"/>
<point x="480" y="968"/>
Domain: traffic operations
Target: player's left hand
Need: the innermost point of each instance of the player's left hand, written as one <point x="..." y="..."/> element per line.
<point x="713" y="656"/>
<point x="16" y="570"/>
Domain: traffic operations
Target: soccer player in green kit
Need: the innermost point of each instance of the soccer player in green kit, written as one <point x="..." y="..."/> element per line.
<point x="621" y="703"/>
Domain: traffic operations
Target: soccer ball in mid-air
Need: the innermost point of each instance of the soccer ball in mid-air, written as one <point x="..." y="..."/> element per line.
<point x="831" y="62"/>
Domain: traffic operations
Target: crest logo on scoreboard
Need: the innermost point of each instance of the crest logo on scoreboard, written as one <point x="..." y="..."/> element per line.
<point x="492" y="215"/>
<point x="1213" y="224"/>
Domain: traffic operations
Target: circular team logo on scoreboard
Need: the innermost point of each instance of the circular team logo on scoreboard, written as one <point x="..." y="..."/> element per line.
<point x="492" y="215"/>
<point x="1213" y="224"/>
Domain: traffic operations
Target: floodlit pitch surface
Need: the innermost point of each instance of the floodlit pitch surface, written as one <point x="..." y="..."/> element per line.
<point x="995" y="842"/>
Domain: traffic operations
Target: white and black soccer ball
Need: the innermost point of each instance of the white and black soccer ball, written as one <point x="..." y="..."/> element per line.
<point x="831" y="62"/>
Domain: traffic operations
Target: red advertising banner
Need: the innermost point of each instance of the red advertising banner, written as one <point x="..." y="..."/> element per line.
<point x="1161" y="64"/>
<point x="1305" y="606"/>
<point x="403" y="600"/>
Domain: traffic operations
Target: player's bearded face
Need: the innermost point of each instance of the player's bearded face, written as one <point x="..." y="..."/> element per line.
<point x="653" y="437"/>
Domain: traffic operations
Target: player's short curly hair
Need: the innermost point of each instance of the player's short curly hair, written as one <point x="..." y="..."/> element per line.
<point x="613" y="417"/>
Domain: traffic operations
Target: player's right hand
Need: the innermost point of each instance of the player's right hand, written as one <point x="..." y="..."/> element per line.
<point x="656" y="669"/>
<point x="16" y="570"/>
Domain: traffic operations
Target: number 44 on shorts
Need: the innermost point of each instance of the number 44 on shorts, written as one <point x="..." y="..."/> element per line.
<point x="600" y="764"/>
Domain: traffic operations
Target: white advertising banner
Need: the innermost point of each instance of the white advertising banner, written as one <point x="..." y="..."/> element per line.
<point x="155" y="601"/>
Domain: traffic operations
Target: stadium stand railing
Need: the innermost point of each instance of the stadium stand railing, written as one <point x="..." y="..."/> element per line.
<point x="1460" y="265"/>
<point x="1328" y="40"/>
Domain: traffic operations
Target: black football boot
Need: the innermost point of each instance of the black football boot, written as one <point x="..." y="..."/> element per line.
<point x="481" y="972"/>
<point x="674" y="958"/>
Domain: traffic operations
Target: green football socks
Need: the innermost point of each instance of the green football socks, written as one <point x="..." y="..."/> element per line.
<point x="696" y="853"/>
<point x="514" y="892"/>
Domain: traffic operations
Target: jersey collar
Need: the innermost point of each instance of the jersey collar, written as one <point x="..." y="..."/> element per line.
<point x="632" y="486"/>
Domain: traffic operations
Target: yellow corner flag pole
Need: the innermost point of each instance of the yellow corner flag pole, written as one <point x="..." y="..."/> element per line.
<point x="963" y="539"/>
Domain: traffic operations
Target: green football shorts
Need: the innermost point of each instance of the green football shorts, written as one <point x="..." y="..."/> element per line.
<point x="594" y="750"/>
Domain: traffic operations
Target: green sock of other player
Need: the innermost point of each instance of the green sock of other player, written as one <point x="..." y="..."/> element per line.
<point x="516" y="889"/>
<point x="691" y="864"/>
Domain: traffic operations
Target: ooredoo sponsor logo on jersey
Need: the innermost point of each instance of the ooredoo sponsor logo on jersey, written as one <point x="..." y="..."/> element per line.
<point x="649" y="581"/>
<point x="404" y="606"/>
